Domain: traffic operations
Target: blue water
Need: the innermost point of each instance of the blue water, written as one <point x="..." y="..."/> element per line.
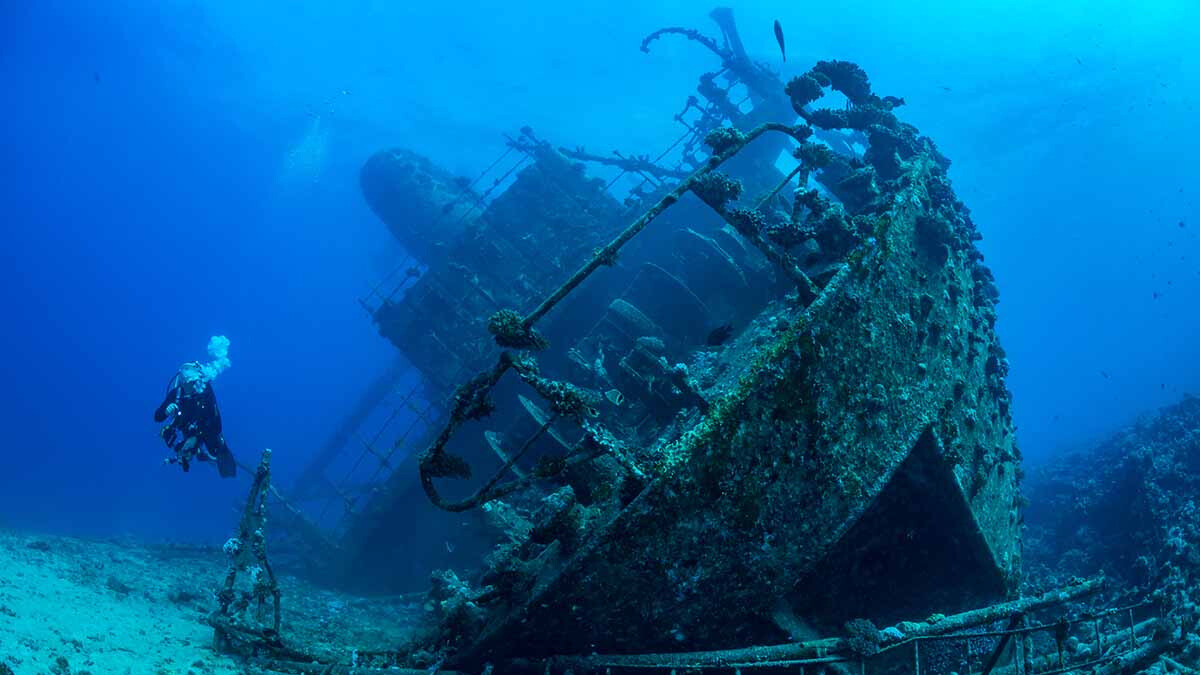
<point x="175" y="170"/>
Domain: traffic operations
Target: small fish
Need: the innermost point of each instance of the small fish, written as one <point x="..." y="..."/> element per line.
<point x="719" y="335"/>
<point x="779" y="39"/>
<point x="449" y="547"/>
<point x="1106" y="375"/>
<point x="1182" y="224"/>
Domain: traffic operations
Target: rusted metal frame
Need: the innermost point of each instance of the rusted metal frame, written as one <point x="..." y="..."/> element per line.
<point x="587" y="449"/>
<point x="511" y="461"/>
<point x="495" y="184"/>
<point x="1114" y="610"/>
<point x="726" y="55"/>
<point x="406" y="281"/>
<point x="392" y="417"/>
<point x="1013" y="624"/>
<point x="1079" y="666"/>
<point x="733" y="665"/>
<point x="484" y="382"/>
<point x="804" y="284"/>
<point x="1025" y="660"/>
<point x="637" y="164"/>
<point x="999" y="633"/>
<point x="645" y="171"/>
<point x="703" y="124"/>
<point x="300" y="666"/>
<point x="762" y="202"/>
<point x="340" y="485"/>
<point x="369" y="449"/>
<point x="485" y="172"/>
<point x="422" y="414"/>
<point x="1148" y="649"/>
<point x="425" y="292"/>
<point x="494" y="490"/>
<point x="940" y="630"/>
<point x="807" y="652"/>
<point x="409" y="261"/>
<point x="672" y="147"/>
<point x="658" y="159"/>
<point x="372" y="481"/>
<point x="718" y="98"/>
<point x="1093" y="617"/>
<point x="417" y="417"/>
<point x="637" y="189"/>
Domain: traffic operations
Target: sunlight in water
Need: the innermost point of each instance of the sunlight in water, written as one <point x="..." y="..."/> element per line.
<point x="305" y="160"/>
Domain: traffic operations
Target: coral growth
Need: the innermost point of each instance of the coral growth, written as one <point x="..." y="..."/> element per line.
<point x="804" y="89"/>
<point x="717" y="189"/>
<point x="723" y="139"/>
<point x="1127" y="508"/>
<point x="847" y="78"/>
<point x="509" y="329"/>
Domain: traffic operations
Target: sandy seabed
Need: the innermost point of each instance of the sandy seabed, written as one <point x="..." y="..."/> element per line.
<point x="117" y="607"/>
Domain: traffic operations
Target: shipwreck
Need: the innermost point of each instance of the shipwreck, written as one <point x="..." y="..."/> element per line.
<point x="746" y="391"/>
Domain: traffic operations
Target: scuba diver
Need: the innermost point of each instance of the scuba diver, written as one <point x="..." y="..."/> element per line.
<point x="194" y="431"/>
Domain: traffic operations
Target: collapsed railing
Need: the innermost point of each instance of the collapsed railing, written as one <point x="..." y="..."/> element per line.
<point x="900" y="649"/>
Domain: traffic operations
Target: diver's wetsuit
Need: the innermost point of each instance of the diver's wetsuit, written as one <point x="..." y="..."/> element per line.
<point x="197" y="418"/>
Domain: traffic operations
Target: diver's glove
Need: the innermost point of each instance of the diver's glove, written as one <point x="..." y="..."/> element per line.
<point x="172" y="409"/>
